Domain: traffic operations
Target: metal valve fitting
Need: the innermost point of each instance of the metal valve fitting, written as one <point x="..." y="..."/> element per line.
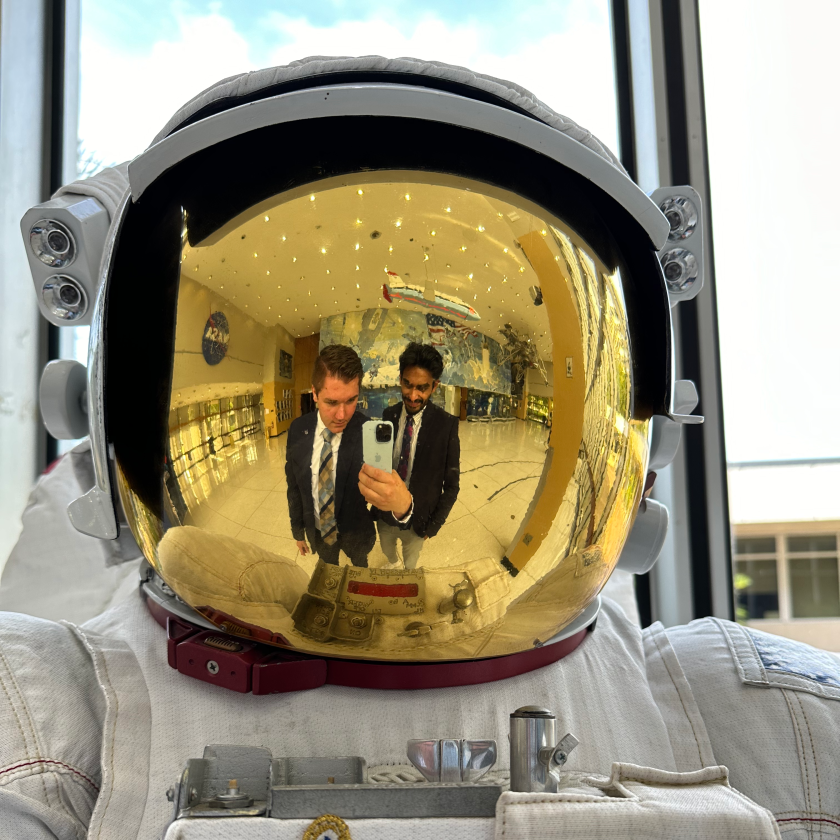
<point x="535" y="754"/>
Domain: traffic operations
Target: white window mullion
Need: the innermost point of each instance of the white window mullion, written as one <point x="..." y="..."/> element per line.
<point x="785" y="595"/>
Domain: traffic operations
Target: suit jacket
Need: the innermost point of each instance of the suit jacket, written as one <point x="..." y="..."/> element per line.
<point x="351" y="511"/>
<point x="436" y="471"/>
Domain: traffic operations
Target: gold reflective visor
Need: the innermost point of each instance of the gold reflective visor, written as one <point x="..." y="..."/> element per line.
<point x="531" y="326"/>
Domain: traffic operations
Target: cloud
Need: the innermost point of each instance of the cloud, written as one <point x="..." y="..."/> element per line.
<point x="127" y="97"/>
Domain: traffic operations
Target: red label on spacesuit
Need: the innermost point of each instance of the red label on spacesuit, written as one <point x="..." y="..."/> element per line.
<point x="383" y="590"/>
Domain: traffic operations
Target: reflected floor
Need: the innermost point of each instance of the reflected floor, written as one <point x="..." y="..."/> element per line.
<point x="241" y="492"/>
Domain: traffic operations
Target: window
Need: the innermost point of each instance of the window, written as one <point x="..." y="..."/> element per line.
<point x="756" y="578"/>
<point x="787" y="580"/>
<point x="814" y="580"/>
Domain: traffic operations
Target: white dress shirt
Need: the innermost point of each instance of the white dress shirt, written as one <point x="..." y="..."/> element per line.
<point x="317" y="446"/>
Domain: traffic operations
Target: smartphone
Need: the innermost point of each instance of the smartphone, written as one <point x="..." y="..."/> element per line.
<point x="378" y="443"/>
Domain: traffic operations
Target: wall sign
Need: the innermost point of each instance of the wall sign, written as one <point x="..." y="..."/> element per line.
<point x="214" y="342"/>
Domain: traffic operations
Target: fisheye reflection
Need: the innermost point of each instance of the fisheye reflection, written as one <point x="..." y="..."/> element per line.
<point x="399" y="415"/>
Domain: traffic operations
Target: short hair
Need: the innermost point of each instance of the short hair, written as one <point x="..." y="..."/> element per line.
<point x="339" y="361"/>
<point x="423" y="356"/>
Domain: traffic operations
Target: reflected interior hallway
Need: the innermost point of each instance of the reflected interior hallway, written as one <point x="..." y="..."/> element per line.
<point x="241" y="492"/>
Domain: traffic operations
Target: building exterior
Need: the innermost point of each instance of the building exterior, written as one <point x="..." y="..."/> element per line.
<point x="786" y="534"/>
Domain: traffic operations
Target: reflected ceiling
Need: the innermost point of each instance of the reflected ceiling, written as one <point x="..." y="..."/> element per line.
<point x="294" y="261"/>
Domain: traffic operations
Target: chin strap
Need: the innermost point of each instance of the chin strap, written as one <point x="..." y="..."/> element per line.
<point x="241" y="665"/>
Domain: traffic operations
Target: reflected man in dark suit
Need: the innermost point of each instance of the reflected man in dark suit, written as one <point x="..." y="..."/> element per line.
<point x="323" y="459"/>
<point x="426" y="458"/>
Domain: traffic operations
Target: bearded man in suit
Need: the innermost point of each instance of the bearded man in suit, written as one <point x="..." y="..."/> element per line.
<point x="323" y="460"/>
<point x="426" y="460"/>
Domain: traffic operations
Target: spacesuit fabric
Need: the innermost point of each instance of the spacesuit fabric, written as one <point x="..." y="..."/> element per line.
<point x="779" y="740"/>
<point x="599" y="692"/>
<point x="149" y="720"/>
<point x="95" y="726"/>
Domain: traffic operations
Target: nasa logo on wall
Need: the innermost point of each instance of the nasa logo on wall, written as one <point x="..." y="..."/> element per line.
<point x="214" y="342"/>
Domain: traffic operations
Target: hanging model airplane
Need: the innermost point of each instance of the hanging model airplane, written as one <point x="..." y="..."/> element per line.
<point x="449" y="307"/>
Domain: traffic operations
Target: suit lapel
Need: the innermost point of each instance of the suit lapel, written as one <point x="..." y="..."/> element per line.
<point x="424" y="436"/>
<point x="303" y="447"/>
<point x="346" y="452"/>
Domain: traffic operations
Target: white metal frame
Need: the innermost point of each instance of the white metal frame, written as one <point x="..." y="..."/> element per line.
<point x="671" y="579"/>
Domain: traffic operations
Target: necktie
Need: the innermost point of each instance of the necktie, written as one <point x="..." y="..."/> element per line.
<point x="405" y="453"/>
<point x="326" y="492"/>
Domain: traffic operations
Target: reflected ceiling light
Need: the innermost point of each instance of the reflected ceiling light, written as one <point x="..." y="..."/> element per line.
<point x="323" y="250"/>
<point x="407" y="197"/>
<point x="360" y="192"/>
<point x="481" y="228"/>
<point x="312" y="198"/>
<point x="448" y="209"/>
<point x="266" y="218"/>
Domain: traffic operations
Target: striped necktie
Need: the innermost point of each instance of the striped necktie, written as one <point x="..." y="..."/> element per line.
<point x="326" y="492"/>
<point x="405" y="454"/>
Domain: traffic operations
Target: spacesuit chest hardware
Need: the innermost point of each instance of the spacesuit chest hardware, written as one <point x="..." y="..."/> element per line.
<point x="240" y="781"/>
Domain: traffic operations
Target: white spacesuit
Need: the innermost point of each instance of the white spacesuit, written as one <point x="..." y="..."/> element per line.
<point x="708" y="730"/>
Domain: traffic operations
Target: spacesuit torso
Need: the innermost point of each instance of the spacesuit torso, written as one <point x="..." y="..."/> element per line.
<point x="94" y="742"/>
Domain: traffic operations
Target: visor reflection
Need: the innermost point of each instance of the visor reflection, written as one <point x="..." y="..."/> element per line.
<point x="532" y="332"/>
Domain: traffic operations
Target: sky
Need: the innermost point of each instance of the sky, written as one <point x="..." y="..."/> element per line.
<point x="771" y="132"/>
<point x="151" y="56"/>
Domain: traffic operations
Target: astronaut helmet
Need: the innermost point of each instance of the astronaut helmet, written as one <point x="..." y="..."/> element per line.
<point x="347" y="211"/>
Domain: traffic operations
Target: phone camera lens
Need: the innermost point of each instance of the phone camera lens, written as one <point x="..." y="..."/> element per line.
<point x="383" y="433"/>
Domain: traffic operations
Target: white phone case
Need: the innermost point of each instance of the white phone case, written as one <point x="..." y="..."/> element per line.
<point x="377" y="453"/>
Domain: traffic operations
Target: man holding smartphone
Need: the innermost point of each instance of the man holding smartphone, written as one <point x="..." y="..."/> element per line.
<point x="426" y="460"/>
<point x="323" y="459"/>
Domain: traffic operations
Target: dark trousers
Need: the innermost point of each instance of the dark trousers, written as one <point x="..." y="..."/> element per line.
<point x="353" y="545"/>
